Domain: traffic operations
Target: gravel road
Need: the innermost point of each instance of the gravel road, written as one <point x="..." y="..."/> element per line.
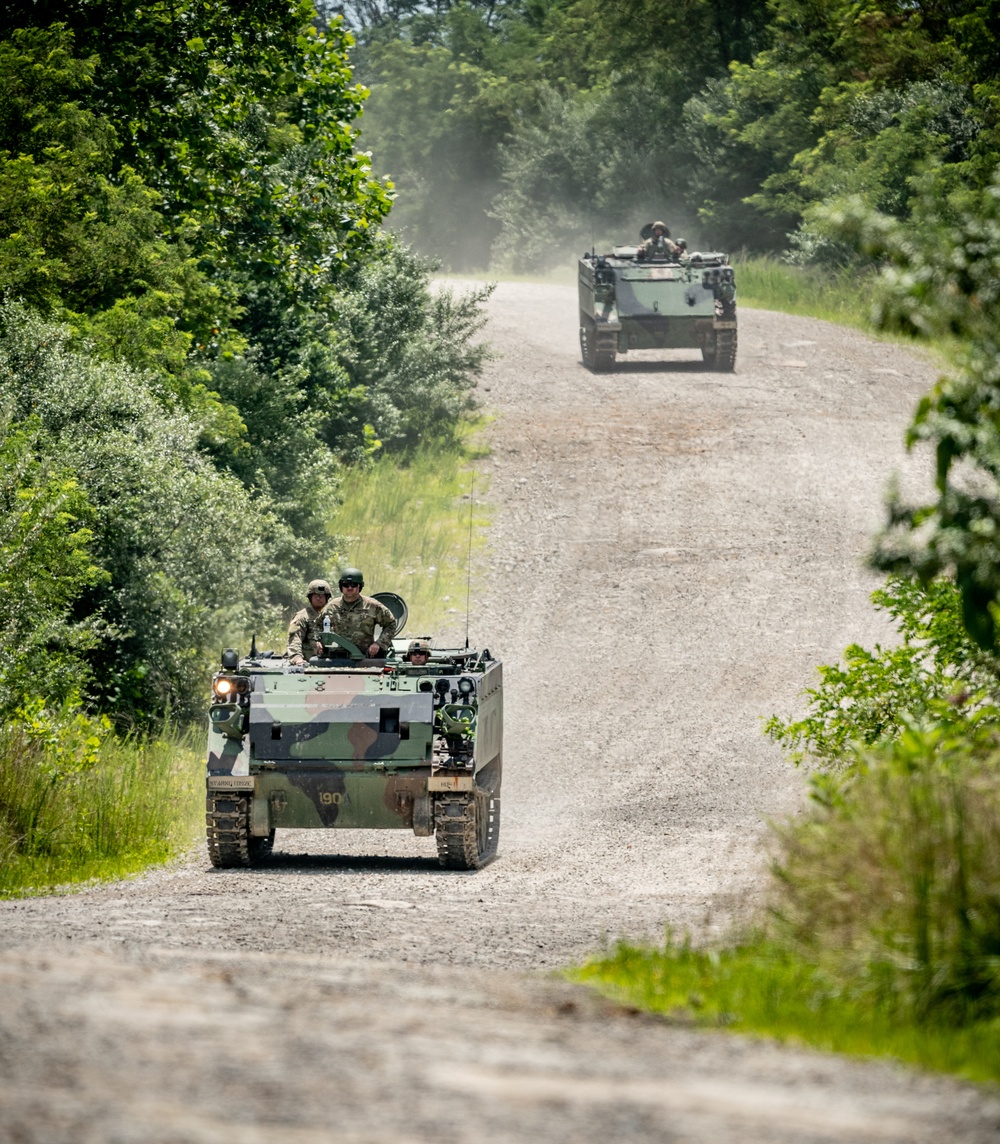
<point x="673" y="551"/>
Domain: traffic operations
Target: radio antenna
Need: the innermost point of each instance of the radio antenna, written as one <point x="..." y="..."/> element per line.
<point x="468" y="563"/>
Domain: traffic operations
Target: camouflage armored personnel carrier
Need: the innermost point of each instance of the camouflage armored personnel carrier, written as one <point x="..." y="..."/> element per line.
<point x="346" y="742"/>
<point x="634" y="299"/>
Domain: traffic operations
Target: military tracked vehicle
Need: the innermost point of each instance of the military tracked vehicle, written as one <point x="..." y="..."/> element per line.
<point x="639" y="299"/>
<point x="346" y="742"/>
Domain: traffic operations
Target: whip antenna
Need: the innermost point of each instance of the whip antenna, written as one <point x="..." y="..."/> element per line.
<point x="468" y="563"/>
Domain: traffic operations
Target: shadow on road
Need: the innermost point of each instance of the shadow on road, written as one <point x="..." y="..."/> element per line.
<point x="656" y="367"/>
<point x="280" y="863"/>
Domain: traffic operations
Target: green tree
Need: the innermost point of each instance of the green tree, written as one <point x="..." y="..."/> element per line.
<point x="190" y="559"/>
<point x="943" y="281"/>
<point x="45" y="565"/>
<point x="239" y="116"/>
<point x="434" y="122"/>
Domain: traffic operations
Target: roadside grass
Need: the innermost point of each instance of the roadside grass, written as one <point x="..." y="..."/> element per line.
<point x="132" y="804"/>
<point x="405" y="522"/>
<point x="845" y="297"/>
<point x="759" y="988"/>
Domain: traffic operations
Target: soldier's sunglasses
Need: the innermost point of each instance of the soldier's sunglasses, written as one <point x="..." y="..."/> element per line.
<point x="348" y="584"/>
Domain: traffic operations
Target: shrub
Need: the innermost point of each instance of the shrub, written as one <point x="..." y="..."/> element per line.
<point x="891" y="882"/>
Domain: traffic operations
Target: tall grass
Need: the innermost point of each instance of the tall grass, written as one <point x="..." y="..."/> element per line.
<point x="132" y="803"/>
<point x="406" y="525"/>
<point x="892" y="881"/>
<point x="844" y="296"/>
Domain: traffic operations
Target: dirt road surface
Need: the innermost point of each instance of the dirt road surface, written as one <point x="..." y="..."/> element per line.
<point x="674" y="550"/>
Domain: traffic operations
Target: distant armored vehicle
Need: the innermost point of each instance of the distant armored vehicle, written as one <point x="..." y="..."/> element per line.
<point x="642" y="298"/>
<point x="348" y="742"/>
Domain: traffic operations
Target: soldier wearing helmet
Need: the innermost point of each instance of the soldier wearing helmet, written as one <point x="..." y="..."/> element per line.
<point x="659" y="244"/>
<point x="419" y="652"/>
<point x="355" y="617"/>
<point x="304" y="628"/>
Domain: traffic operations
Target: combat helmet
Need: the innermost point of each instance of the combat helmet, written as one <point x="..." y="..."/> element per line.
<point x="318" y="586"/>
<point x="351" y="576"/>
<point x="663" y="226"/>
<point x="419" y="646"/>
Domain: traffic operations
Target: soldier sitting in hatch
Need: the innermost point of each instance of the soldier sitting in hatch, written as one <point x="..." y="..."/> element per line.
<point x="303" y="631"/>
<point x="418" y="653"/>
<point x="659" y="244"/>
<point x="355" y="617"/>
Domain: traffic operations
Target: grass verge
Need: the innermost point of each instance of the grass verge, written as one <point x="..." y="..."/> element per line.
<point x="133" y="804"/>
<point x="760" y="988"/>
<point x="845" y="297"/>
<point x="406" y="524"/>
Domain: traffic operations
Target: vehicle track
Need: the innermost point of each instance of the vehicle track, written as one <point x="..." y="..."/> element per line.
<point x="673" y="551"/>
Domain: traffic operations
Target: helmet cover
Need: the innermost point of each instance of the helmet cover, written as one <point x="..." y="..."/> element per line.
<point x="319" y="586"/>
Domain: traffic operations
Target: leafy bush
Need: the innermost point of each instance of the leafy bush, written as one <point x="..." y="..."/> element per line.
<point x="188" y="553"/>
<point x="872" y="698"/>
<point x="942" y="280"/>
<point x="888" y="882"/>
<point x="45" y="564"/>
<point x="410" y="351"/>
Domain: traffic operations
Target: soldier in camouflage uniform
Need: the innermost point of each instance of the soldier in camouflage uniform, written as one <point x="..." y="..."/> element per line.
<point x="303" y="631"/>
<point x="354" y="616"/>
<point x="659" y="243"/>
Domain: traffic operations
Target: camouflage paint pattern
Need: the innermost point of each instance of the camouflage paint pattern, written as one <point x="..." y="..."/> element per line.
<point x="351" y="747"/>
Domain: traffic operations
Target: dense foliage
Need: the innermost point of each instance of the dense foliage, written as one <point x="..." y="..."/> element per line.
<point x="542" y="123"/>
<point x="932" y="667"/>
<point x="200" y="323"/>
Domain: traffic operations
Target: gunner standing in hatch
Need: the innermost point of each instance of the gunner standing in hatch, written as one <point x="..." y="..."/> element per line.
<point x="659" y="244"/>
<point x="355" y="617"/>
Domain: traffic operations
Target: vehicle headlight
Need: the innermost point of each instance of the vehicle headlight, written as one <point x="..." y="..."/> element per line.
<point x="466" y="686"/>
<point x="226" y="687"/>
